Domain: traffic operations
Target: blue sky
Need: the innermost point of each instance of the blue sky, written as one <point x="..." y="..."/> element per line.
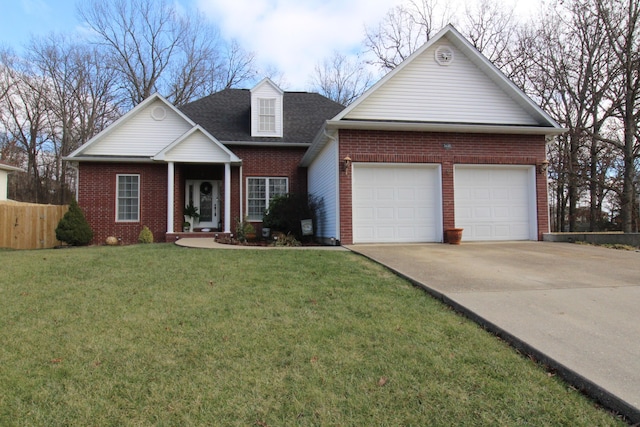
<point x="290" y="35"/>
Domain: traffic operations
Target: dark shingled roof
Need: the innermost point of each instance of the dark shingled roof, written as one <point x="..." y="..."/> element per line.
<point x="226" y="115"/>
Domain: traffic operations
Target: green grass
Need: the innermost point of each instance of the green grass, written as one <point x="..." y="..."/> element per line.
<point x="162" y="335"/>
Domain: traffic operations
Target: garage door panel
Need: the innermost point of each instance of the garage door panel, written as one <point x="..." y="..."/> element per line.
<point x="406" y="203"/>
<point x="494" y="202"/>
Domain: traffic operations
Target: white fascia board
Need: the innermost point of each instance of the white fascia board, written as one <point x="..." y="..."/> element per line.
<point x="108" y="159"/>
<point x="232" y="157"/>
<point x="124" y="118"/>
<point x="324" y="135"/>
<point x="268" y="144"/>
<point x="267" y="80"/>
<point x="9" y="168"/>
<point x="443" y="127"/>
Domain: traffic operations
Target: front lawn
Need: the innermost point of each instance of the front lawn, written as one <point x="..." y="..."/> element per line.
<point x="163" y="335"/>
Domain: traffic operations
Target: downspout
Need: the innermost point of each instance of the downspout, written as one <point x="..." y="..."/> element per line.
<point x="77" y="172"/>
<point x="241" y="195"/>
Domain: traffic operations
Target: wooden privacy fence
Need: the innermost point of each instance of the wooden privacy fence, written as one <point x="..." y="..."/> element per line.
<point x="29" y="225"/>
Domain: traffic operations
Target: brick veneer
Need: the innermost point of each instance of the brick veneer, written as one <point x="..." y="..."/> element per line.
<point x="97" y="198"/>
<point x="97" y="189"/>
<point x="428" y="147"/>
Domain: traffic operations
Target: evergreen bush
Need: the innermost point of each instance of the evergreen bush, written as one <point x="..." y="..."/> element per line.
<point x="73" y="228"/>
<point x="285" y="213"/>
<point x="145" y="236"/>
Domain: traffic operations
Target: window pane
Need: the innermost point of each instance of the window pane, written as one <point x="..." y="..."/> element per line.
<point x="267" y="115"/>
<point x="277" y="187"/>
<point x="128" y="198"/>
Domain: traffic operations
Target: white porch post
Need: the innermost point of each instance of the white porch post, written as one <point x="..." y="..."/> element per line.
<point x="227" y="197"/>
<point x="170" y="195"/>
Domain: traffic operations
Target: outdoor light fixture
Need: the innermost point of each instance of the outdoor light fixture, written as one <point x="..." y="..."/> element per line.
<point x="346" y="164"/>
<point x="544" y="166"/>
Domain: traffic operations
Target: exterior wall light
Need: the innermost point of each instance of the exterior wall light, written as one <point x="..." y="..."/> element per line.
<point x="544" y="166"/>
<point x="346" y="165"/>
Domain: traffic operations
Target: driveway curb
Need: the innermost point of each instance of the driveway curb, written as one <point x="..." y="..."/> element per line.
<point x="584" y="385"/>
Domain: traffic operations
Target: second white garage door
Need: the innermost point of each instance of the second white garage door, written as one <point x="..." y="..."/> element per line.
<point x="396" y="203"/>
<point x="495" y="202"/>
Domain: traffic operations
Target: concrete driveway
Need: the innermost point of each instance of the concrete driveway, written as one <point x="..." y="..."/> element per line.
<point x="576" y="308"/>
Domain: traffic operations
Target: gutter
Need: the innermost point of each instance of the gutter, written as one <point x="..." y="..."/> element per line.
<point x="443" y="127"/>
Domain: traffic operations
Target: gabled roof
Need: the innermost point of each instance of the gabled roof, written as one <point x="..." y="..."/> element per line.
<point x="9" y="168"/>
<point x="227" y="116"/>
<point x="130" y="115"/>
<point x="267" y="81"/>
<point x="196" y="146"/>
<point x="479" y="80"/>
<point x="413" y="96"/>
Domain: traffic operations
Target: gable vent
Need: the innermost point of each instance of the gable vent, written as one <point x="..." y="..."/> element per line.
<point x="444" y="55"/>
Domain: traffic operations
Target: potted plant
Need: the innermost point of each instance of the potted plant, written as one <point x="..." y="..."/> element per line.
<point x="191" y="215"/>
<point x="186" y="226"/>
<point x="245" y="231"/>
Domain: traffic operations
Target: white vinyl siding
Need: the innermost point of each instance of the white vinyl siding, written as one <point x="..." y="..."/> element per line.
<point x="427" y="92"/>
<point x="323" y="184"/>
<point x="128" y="198"/>
<point x="141" y="134"/>
<point x="396" y="203"/>
<point x="260" y="191"/>
<point x="196" y="148"/>
<point x="495" y="202"/>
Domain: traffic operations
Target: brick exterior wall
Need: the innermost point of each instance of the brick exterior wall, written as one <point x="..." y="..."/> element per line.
<point x="265" y="162"/>
<point x="97" y="198"/>
<point x="97" y="189"/>
<point x="427" y="147"/>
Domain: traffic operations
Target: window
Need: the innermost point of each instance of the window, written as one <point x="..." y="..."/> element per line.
<point x="128" y="199"/>
<point x="267" y="115"/>
<point x="260" y="191"/>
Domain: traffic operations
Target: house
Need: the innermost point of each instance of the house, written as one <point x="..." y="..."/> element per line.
<point x="5" y="170"/>
<point x="445" y="140"/>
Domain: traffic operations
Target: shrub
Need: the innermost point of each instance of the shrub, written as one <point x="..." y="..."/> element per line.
<point x="73" y="228"/>
<point x="245" y="230"/>
<point x="285" y="213"/>
<point x="145" y="236"/>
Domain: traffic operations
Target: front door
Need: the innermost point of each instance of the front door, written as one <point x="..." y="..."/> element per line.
<point x="205" y="195"/>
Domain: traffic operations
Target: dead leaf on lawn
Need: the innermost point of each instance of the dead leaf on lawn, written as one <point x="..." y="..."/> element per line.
<point x="382" y="381"/>
<point x="97" y="363"/>
<point x="211" y="283"/>
<point x="314" y="359"/>
<point x="56" y="360"/>
<point x="261" y="423"/>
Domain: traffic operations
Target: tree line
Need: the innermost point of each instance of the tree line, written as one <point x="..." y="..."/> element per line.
<point x="578" y="59"/>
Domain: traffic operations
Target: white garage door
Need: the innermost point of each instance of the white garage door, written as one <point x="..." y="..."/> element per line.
<point x="495" y="202"/>
<point x="396" y="203"/>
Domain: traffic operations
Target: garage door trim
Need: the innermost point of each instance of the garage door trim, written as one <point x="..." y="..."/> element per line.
<point x="433" y="194"/>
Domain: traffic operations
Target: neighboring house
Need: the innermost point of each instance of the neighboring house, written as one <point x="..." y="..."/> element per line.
<point x="5" y="170"/>
<point x="445" y="140"/>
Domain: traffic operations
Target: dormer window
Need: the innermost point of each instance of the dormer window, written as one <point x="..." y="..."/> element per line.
<point x="267" y="115"/>
<point x="266" y="110"/>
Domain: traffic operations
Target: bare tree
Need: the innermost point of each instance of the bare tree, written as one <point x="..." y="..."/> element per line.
<point x="341" y="79"/>
<point x="24" y="116"/>
<point x="156" y="48"/>
<point x="403" y="30"/>
<point x="621" y="24"/>
<point x="80" y="102"/>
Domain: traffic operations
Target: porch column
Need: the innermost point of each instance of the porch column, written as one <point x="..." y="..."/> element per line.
<point x="227" y="197"/>
<point x="170" y="195"/>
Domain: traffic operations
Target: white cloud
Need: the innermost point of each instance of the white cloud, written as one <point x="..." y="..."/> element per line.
<point x="294" y="35"/>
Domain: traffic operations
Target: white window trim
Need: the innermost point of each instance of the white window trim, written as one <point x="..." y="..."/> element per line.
<point x="118" y="197"/>
<point x="274" y="106"/>
<point x="267" y="196"/>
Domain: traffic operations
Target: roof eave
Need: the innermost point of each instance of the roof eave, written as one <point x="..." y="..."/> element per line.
<point x="444" y="127"/>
